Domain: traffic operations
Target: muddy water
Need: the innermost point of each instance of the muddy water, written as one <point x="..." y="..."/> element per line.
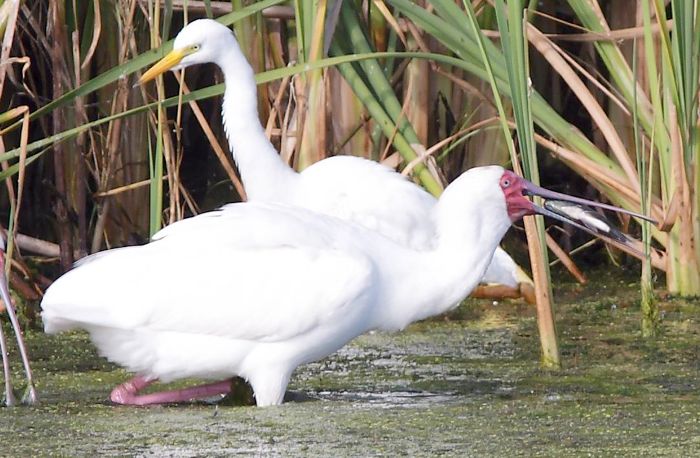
<point x="467" y="386"/>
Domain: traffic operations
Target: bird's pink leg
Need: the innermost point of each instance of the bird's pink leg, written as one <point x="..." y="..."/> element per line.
<point x="127" y="392"/>
<point x="9" y="395"/>
<point x="30" y="396"/>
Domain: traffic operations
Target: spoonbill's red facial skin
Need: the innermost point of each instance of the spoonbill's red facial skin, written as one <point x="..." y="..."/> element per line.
<point x="513" y="188"/>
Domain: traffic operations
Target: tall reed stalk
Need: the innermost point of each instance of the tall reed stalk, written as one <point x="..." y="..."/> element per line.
<point x="510" y="27"/>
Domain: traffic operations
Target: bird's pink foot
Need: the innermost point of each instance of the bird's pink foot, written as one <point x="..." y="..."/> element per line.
<point x="127" y="393"/>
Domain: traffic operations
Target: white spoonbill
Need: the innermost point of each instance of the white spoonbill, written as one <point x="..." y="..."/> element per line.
<point x="348" y="187"/>
<point x="256" y="289"/>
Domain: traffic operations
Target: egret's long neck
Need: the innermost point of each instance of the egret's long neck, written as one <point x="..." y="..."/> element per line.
<point x="469" y="230"/>
<point x="264" y="174"/>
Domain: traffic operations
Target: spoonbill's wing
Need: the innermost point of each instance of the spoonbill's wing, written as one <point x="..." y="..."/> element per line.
<point x="376" y="197"/>
<point x="372" y="195"/>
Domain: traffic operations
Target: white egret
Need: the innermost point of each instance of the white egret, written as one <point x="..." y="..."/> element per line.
<point x="348" y="187"/>
<point x="256" y="289"/>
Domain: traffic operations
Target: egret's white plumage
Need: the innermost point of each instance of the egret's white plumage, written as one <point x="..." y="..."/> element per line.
<point x="347" y="187"/>
<point x="257" y="289"/>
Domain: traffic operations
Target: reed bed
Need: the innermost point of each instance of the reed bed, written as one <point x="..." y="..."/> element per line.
<point x="603" y="101"/>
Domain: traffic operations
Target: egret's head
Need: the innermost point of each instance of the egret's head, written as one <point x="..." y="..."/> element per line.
<point x="199" y="42"/>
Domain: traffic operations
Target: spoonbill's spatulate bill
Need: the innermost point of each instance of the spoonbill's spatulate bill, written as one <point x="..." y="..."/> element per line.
<point x="593" y="220"/>
<point x="257" y="289"/>
<point x="30" y="397"/>
<point x="346" y="187"/>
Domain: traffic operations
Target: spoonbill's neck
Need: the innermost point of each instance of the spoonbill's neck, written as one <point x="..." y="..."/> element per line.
<point x="264" y="174"/>
<point x="469" y="229"/>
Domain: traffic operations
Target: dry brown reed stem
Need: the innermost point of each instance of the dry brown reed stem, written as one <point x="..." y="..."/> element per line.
<point x="687" y="252"/>
<point x="172" y="172"/>
<point x="177" y="145"/>
<point x="597" y="174"/>
<point x="361" y="124"/>
<point x="8" y="182"/>
<point x="312" y="109"/>
<point x="24" y="139"/>
<point x="16" y="198"/>
<point x="27" y="291"/>
<point x="58" y="43"/>
<point x="114" y="129"/>
<point x="98" y="232"/>
<point x="590" y="36"/>
<point x="587" y="99"/>
<point x="287" y="139"/>
<point x="275" y="109"/>
<point x="189" y="200"/>
<point x="391" y="20"/>
<point x="36" y="31"/>
<point x="671" y="214"/>
<point x="79" y="176"/>
<point x="496" y="292"/>
<point x="579" y="249"/>
<point x="108" y="151"/>
<point x="125" y="188"/>
<point x="437" y="146"/>
<point x="417" y="93"/>
<point x="658" y="259"/>
<point x="390" y="140"/>
<point x="297" y="117"/>
<point x="543" y="300"/>
<point x="421" y="121"/>
<point x="466" y="86"/>
<point x="162" y="129"/>
<point x="96" y="31"/>
<point x="590" y="78"/>
<point x="7" y="40"/>
<point x="224" y="158"/>
<point x="565" y="259"/>
<point x="416" y="34"/>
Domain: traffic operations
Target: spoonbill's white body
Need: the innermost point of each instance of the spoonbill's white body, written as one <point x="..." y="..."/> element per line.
<point x="347" y="187"/>
<point x="257" y="289"/>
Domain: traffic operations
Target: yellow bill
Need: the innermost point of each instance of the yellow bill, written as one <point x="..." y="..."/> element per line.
<point x="166" y="63"/>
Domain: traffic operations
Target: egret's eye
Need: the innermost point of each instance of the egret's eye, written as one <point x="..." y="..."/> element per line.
<point x="195" y="47"/>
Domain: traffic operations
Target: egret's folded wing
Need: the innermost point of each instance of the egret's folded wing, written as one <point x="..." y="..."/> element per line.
<point x="218" y="287"/>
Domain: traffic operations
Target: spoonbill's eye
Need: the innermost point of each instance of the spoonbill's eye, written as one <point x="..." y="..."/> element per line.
<point x="505" y="182"/>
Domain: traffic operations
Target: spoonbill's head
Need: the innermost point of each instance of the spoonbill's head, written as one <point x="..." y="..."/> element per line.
<point x="568" y="209"/>
<point x="199" y="42"/>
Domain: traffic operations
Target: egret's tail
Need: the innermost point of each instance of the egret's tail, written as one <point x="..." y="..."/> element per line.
<point x="54" y="324"/>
